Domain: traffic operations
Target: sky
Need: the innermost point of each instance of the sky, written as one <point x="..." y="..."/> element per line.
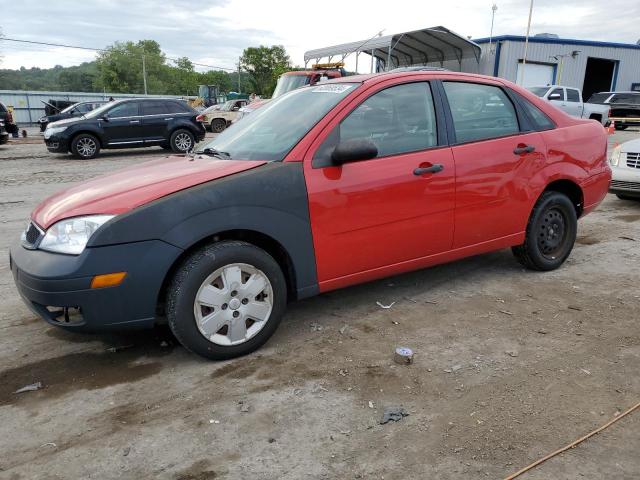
<point x="215" y="32"/>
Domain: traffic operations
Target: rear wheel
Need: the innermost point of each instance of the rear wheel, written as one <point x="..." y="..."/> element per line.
<point x="226" y="300"/>
<point x="551" y="233"/>
<point x="85" y="146"/>
<point x="218" y="125"/>
<point x="182" y="141"/>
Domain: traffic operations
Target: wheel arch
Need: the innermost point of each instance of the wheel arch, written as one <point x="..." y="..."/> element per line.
<point x="89" y="132"/>
<point x="571" y="189"/>
<point x="259" y="239"/>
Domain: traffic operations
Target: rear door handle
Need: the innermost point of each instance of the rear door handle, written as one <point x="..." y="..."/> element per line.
<point x="169" y="118"/>
<point x="435" y="168"/>
<point x="134" y="121"/>
<point x="520" y="149"/>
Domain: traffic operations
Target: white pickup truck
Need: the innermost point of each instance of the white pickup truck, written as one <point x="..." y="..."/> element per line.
<point x="570" y="101"/>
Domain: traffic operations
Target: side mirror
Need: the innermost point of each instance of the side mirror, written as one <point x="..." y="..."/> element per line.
<point x="105" y="117"/>
<point x="354" y="151"/>
<point x="235" y="109"/>
<point x="555" y="96"/>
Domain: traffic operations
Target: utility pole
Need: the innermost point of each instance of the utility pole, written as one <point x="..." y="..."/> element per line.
<point x="144" y="74"/>
<point x="240" y="58"/>
<point x="494" y="7"/>
<point x="526" y="45"/>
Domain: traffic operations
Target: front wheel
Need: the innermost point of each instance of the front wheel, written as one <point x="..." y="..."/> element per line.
<point x="551" y="233"/>
<point x="85" y="146"/>
<point x="226" y="300"/>
<point x="182" y="141"/>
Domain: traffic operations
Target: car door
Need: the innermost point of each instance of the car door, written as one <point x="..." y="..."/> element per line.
<point x="573" y="103"/>
<point x="557" y="98"/>
<point x="495" y="160"/>
<point x="155" y="117"/>
<point x="373" y="217"/>
<point x="122" y="126"/>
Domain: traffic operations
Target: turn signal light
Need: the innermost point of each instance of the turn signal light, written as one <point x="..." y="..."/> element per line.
<point x="108" y="280"/>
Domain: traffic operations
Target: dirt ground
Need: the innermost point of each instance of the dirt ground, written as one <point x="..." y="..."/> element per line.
<point x="509" y="366"/>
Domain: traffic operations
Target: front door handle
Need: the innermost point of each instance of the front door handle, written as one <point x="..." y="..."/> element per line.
<point x="522" y="148"/>
<point x="134" y="121"/>
<point x="435" y="168"/>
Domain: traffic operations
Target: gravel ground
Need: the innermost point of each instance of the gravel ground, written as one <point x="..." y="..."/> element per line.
<point x="509" y="365"/>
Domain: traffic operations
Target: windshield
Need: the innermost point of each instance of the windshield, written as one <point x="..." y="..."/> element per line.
<point x="272" y="131"/>
<point x="539" y="91"/>
<point x="286" y="83"/>
<point x="97" y="112"/>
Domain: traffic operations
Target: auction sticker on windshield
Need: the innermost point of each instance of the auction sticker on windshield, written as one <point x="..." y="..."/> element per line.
<point x="332" y="88"/>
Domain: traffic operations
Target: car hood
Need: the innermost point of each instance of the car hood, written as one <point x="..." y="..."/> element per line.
<point x="132" y="187"/>
<point x="631" y="146"/>
<point x="65" y="122"/>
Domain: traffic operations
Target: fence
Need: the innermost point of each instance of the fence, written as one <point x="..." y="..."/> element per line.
<point x="28" y="106"/>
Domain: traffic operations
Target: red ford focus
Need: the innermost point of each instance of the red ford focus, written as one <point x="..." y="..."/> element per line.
<point x="327" y="186"/>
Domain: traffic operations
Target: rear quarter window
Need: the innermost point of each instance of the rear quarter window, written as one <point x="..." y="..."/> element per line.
<point x="538" y="118"/>
<point x="179" y="107"/>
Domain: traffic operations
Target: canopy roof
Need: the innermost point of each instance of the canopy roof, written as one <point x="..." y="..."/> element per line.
<point x="429" y="45"/>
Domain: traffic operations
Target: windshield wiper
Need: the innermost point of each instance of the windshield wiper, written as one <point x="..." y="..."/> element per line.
<point x="214" y="153"/>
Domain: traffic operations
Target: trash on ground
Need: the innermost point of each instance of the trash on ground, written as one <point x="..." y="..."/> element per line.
<point x="371" y="405"/>
<point x="343" y="329"/>
<point x="574" y="307"/>
<point x="393" y="414"/>
<point x="316" y="327"/>
<point x="506" y="312"/>
<point x="586" y="371"/>
<point x="30" y="388"/>
<point x="628" y="238"/>
<point x="49" y="444"/>
<point x="403" y="356"/>
<point x="386" y="307"/>
<point x="511" y="353"/>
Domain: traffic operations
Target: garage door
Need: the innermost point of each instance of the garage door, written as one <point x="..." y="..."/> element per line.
<point x="535" y="74"/>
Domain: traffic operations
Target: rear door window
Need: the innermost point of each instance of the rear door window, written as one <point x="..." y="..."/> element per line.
<point x="154" y="108"/>
<point x="480" y="111"/>
<point x="572" y="95"/>
<point x="128" y="109"/>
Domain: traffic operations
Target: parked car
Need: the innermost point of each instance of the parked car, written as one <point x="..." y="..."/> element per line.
<point x="332" y="185"/>
<point x="625" y="164"/>
<point x="7" y="117"/>
<point x="220" y="118"/>
<point x="75" y="110"/>
<point x="4" y="135"/>
<point x="624" y="107"/>
<point x="170" y="124"/>
<point x="570" y="100"/>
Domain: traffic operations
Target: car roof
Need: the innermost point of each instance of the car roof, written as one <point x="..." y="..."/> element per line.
<point x="381" y="76"/>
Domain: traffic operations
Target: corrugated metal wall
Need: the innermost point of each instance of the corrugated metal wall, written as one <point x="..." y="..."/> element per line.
<point x="28" y="106"/>
<point x="573" y="70"/>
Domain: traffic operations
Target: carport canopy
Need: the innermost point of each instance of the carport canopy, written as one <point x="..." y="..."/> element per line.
<point x="429" y="46"/>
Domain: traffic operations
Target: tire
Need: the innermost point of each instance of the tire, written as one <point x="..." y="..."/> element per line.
<point x="198" y="277"/>
<point x="621" y="127"/>
<point x="218" y="125"/>
<point x="182" y="141"/>
<point x="85" y="146"/>
<point x="550" y="235"/>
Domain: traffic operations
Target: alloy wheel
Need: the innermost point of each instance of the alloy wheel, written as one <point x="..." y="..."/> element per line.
<point x="183" y="142"/>
<point x="86" y="147"/>
<point x="233" y="304"/>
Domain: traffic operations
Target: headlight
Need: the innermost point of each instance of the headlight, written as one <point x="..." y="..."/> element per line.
<point x="615" y="156"/>
<point x="53" y="130"/>
<point x="71" y="235"/>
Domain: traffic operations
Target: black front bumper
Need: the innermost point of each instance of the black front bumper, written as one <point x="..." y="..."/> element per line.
<point x="57" y="144"/>
<point x="58" y="287"/>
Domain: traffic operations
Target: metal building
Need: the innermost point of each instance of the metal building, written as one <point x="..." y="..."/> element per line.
<point x="435" y="46"/>
<point x="589" y="65"/>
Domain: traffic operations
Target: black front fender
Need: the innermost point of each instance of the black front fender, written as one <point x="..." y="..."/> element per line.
<point x="270" y="200"/>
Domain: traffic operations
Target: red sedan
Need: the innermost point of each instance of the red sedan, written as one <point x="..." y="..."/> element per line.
<point x="327" y="186"/>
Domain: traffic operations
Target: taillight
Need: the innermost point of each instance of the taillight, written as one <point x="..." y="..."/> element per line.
<point x="200" y="118"/>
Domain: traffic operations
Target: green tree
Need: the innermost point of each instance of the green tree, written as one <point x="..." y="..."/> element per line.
<point x="265" y="65"/>
<point x="119" y="67"/>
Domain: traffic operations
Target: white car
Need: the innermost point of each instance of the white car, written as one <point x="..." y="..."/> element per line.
<point x="570" y="101"/>
<point x="625" y="165"/>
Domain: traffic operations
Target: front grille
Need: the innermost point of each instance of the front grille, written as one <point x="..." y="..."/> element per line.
<point x="32" y="236"/>
<point x="620" y="185"/>
<point x="633" y="159"/>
